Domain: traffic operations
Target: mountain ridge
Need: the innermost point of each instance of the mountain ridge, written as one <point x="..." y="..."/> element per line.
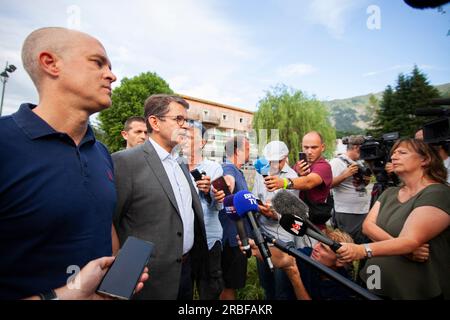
<point x="354" y="114"/>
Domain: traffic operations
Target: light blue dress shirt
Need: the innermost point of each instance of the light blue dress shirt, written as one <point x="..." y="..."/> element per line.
<point x="182" y="192"/>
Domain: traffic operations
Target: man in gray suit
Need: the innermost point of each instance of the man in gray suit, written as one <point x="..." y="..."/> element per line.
<point x="157" y="202"/>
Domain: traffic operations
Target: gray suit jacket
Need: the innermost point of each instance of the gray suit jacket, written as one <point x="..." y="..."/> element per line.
<point x="147" y="209"/>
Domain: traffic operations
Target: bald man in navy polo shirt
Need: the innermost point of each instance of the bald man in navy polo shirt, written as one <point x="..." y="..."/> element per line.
<point x="57" y="194"/>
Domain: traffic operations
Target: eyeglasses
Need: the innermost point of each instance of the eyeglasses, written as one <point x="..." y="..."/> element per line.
<point x="179" y="119"/>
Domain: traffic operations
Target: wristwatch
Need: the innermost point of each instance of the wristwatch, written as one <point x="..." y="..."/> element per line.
<point x="290" y="184"/>
<point x="369" y="252"/>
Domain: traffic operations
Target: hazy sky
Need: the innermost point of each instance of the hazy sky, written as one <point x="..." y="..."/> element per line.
<point x="232" y="51"/>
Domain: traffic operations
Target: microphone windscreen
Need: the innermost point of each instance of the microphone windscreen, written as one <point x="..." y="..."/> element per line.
<point x="230" y="210"/>
<point x="293" y="224"/>
<point x="262" y="166"/>
<point x="285" y="202"/>
<point x="244" y="201"/>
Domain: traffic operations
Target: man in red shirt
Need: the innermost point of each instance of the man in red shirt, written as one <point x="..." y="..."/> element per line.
<point x="315" y="175"/>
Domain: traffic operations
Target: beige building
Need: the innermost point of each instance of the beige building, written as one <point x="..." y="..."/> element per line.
<point x="221" y="121"/>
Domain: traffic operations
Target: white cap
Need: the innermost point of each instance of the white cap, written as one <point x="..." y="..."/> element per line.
<point x="275" y="151"/>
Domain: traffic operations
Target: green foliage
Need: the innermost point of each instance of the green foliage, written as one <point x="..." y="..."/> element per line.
<point x="396" y="112"/>
<point x="252" y="289"/>
<point x="341" y="134"/>
<point x="99" y="134"/>
<point x="293" y="114"/>
<point x="365" y="108"/>
<point x="128" y="100"/>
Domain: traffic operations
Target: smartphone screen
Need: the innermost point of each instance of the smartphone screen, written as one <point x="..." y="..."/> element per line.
<point x="196" y="174"/>
<point x="220" y="184"/>
<point x="302" y="156"/>
<point x="122" y="277"/>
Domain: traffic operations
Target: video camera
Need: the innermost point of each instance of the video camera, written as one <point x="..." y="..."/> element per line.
<point x="363" y="170"/>
<point x="376" y="153"/>
<point x="437" y="131"/>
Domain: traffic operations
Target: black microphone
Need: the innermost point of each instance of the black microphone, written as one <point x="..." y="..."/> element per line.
<point x="245" y="203"/>
<point x="285" y="202"/>
<point x="438" y="112"/>
<point x="296" y="226"/>
<point x="230" y="211"/>
<point x="290" y="249"/>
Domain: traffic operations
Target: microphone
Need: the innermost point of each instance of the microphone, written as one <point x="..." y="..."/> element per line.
<point x="438" y="112"/>
<point x="230" y="211"/>
<point x="262" y="166"/>
<point x="285" y="202"/>
<point x="245" y="203"/>
<point x="290" y="249"/>
<point x="296" y="226"/>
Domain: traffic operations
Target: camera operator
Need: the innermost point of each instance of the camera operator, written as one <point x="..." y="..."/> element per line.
<point x="351" y="199"/>
<point x="376" y="153"/>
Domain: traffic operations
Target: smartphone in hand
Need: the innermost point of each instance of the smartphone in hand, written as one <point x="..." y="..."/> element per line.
<point x="196" y="174"/>
<point x="302" y="156"/>
<point x="122" y="277"/>
<point x="221" y="184"/>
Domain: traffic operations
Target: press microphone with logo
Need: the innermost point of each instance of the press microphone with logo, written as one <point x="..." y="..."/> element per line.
<point x="296" y="226"/>
<point x="285" y="202"/>
<point x="231" y="213"/>
<point x="294" y="218"/>
<point x="245" y="203"/>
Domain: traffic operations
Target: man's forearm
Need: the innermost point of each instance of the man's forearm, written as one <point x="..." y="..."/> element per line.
<point x="338" y="180"/>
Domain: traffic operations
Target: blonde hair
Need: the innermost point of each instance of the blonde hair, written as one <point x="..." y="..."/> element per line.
<point x="338" y="235"/>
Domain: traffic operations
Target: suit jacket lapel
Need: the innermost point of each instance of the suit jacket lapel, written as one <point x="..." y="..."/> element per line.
<point x="154" y="162"/>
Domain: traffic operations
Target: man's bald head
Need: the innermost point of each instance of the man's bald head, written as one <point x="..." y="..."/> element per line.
<point x="313" y="146"/>
<point x="55" y="40"/>
<point x="314" y="135"/>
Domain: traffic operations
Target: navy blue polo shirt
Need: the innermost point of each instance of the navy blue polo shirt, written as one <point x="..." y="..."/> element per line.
<point x="228" y="225"/>
<point x="57" y="201"/>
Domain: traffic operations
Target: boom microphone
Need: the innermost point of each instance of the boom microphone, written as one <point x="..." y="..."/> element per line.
<point x="296" y="226"/>
<point x="231" y="213"/>
<point x="245" y="203"/>
<point x="285" y="202"/>
<point x="290" y="249"/>
<point x="438" y="112"/>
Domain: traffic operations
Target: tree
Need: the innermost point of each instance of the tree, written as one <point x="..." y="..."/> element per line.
<point x="293" y="115"/>
<point x="372" y="108"/>
<point x="128" y="100"/>
<point x="396" y="111"/>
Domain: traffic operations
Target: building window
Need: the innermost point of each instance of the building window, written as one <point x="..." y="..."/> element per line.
<point x="224" y="117"/>
<point x="241" y="120"/>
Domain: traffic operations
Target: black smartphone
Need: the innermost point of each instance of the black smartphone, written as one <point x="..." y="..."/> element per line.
<point x="196" y="174"/>
<point x="122" y="277"/>
<point x="259" y="202"/>
<point x="220" y="184"/>
<point x="302" y="156"/>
